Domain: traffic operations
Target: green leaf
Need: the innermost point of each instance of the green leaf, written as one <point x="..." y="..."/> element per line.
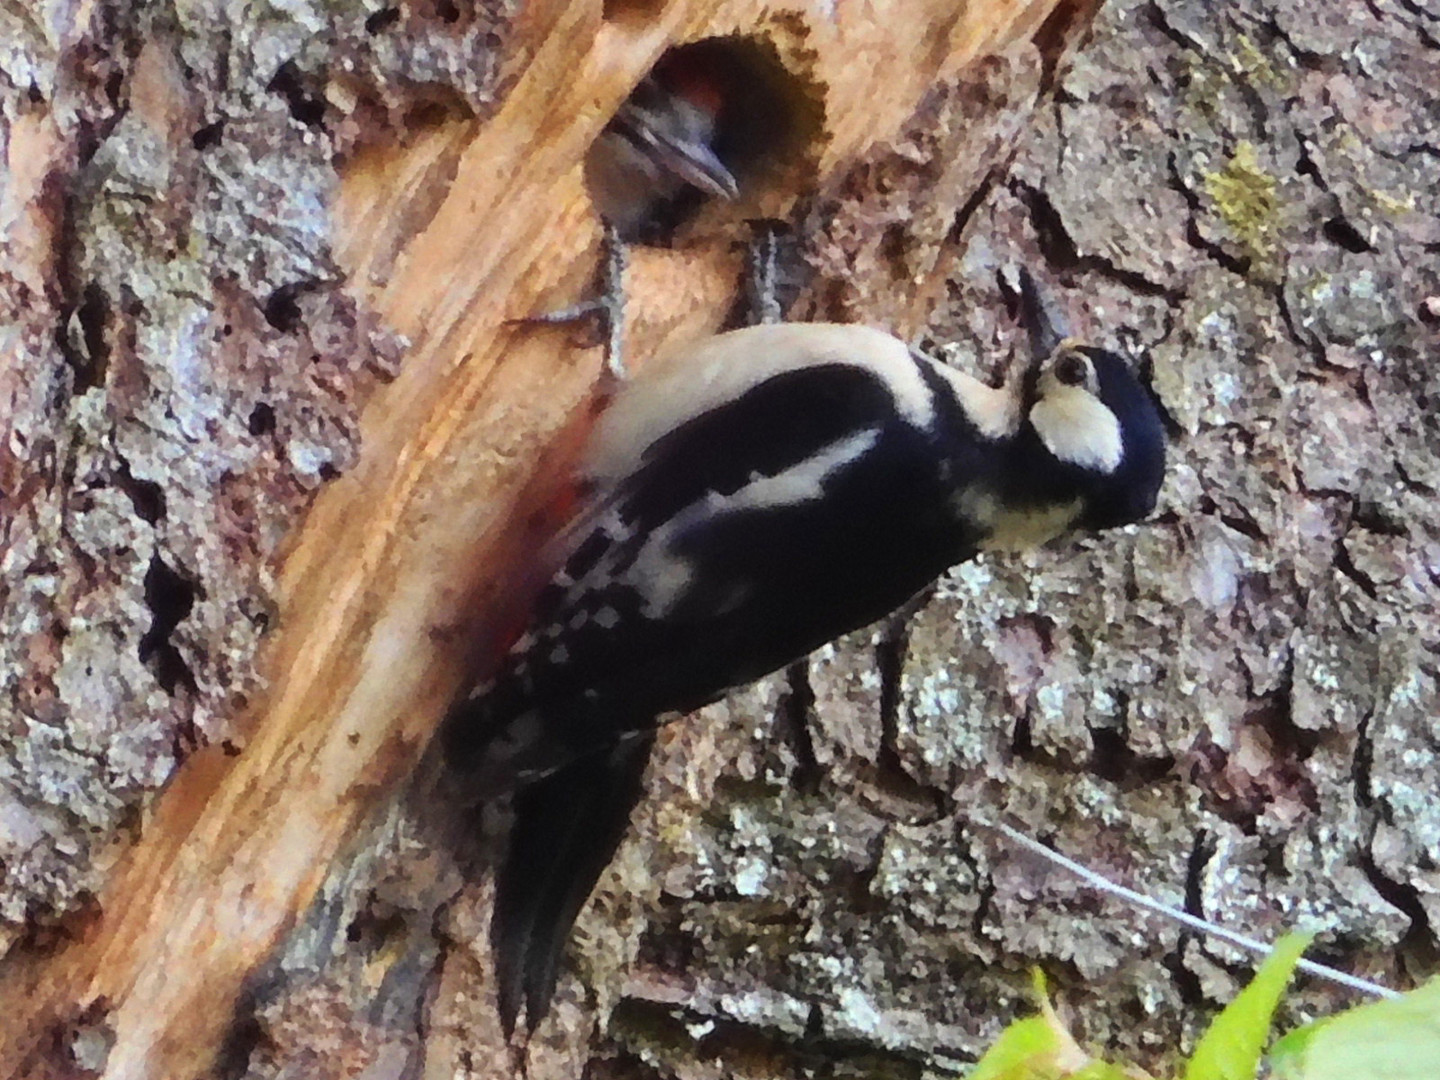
<point x="1022" y="1050"/>
<point x="1231" y="1048"/>
<point x="1101" y="1070"/>
<point x="1040" y="1048"/>
<point x="1387" y="1040"/>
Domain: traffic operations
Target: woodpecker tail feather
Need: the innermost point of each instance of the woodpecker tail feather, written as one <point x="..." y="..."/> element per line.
<point x="567" y="828"/>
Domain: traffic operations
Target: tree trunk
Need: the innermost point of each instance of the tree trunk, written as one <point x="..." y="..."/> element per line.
<point x="242" y="577"/>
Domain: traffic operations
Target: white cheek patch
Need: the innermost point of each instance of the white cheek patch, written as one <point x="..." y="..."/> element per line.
<point x="1077" y="427"/>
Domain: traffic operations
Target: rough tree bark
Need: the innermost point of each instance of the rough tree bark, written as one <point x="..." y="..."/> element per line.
<point x="217" y="218"/>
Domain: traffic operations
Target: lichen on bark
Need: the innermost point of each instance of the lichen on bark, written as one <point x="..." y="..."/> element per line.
<point x="1232" y="708"/>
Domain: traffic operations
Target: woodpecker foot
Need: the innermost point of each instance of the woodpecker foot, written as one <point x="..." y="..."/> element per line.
<point x="604" y="311"/>
<point x="761" y="271"/>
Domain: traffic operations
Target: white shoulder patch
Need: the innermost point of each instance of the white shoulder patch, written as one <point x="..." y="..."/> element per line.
<point x="993" y="410"/>
<point x="693" y="379"/>
<point x="662" y="576"/>
<point x="804" y="480"/>
<point x="1077" y="427"/>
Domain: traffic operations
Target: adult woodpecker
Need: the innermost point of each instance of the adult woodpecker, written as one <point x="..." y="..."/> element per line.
<point x="746" y="500"/>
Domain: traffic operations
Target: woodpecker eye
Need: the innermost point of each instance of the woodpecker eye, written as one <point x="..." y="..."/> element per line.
<point x="1073" y="369"/>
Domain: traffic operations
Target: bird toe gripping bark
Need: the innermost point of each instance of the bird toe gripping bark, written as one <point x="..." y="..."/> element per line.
<point x="604" y="309"/>
<point x="762" y="272"/>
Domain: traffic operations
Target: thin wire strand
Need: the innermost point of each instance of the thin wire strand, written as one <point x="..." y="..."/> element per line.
<point x="1195" y="923"/>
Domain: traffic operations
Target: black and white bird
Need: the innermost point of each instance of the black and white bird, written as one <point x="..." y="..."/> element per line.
<point x="652" y="164"/>
<point x="744" y="501"/>
<point x="659" y="147"/>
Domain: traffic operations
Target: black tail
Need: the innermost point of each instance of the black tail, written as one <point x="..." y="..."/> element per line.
<point x="567" y="828"/>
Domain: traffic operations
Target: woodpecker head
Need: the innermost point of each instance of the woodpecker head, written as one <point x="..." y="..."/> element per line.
<point x="1093" y="418"/>
<point x="659" y="145"/>
<point x="673" y="115"/>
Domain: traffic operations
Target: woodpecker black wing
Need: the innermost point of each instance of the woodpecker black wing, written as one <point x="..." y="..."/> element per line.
<point x="790" y="418"/>
<point x="754" y="521"/>
<point x="566" y="830"/>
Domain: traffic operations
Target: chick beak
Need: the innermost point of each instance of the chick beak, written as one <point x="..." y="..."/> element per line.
<point x="693" y="161"/>
<point x="1042" y="320"/>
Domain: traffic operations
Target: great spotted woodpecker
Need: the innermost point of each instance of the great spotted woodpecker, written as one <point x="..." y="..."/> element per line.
<point x="659" y="145"/>
<point x="746" y="500"/>
<point x="651" y="164"/>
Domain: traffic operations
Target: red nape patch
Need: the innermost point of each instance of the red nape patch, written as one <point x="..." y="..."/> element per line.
<point x="702" y="84"/>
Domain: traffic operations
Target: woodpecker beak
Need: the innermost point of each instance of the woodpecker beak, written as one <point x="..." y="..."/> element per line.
<point x="694" y="162"/>
<point x="1042" y="320"/>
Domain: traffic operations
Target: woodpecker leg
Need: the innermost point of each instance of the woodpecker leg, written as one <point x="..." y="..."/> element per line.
<point x="614" y="261"/>
<point x="764" y="245"/>
<point x="606" y="309"/>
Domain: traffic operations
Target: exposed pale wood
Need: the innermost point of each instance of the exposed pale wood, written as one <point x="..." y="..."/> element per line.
<point x="409" y="545"/>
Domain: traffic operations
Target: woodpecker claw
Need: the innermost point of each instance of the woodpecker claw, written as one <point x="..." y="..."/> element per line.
<point x="614" y="261"/>
<point x="605" y="310"/>
<point x="764" y="305"/>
